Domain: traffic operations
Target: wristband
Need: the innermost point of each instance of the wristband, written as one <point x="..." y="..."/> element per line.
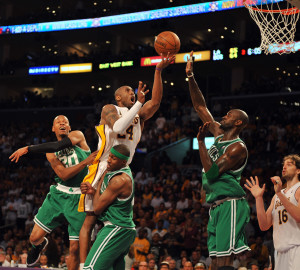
<point x="213" y="172"/>
<point x="159" y="69"/>
<point x="190" y="75"/>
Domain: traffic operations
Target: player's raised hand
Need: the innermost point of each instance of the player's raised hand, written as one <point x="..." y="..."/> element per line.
<point x="253" y="187"/>
<point x="189" y="66"/>
<point x="89" y="160"/>
<point x="141" y="93"/>
<point x="277" y="183"/>
<point x="86" y="188"/>
<point x="203" y="131"/>
<point x="17" y="154"/>
<point x="165" y="61"/>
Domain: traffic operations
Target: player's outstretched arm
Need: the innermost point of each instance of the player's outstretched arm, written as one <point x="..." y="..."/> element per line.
<point x="264" y="218"/>
<point x="293" y="210"/>
<point x="66" y="173"/>
<point x="117" y="185"/>
<point x="74" y="138"/>
<point x="198" y="99"/>
<point x="152" y="105"/>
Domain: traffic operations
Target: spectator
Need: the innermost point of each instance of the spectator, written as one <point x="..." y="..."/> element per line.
<point x="182" y="203"/>
<point x="143" y="265"/>
<point x="164" y="265"/>
<point x="141" y="246"/>
<point x="157" y="200"/>
<point x="23" y="259"/>
<point x="173" y="241"/>
<point x="160" y="229"/>
<point x="260" y="252"/>
<point x="188" y="266"/>
<point x="152" y="265"/>
<point x="129" y="258"/>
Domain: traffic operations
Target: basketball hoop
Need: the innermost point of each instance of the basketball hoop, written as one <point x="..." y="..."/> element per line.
<point x="277" y="24"/>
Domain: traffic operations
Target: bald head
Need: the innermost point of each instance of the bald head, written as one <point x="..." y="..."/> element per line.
<point x="60" y="117"/>
<point x="243" y="116"/>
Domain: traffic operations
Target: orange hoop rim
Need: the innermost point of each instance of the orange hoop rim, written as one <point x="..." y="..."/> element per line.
<point x="289" y="11"/>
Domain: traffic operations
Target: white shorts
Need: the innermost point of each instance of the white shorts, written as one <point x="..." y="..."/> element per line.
<point x="288" y="260"/>
<point x="88" y="201"/>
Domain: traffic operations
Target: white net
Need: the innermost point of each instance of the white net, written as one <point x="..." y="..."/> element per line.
<point x="277" y="23"/>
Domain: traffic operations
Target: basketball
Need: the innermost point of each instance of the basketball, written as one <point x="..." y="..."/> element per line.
<point x="165" y="42"/>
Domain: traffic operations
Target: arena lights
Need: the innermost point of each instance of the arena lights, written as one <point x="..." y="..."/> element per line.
<point x="116" y="64"/>
<point x="135" y="17"/>
<point x="76" y="68"/>
<point x="43" y="70"/>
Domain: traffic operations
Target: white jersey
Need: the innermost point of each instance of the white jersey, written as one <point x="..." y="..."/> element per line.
<point x="130" y="137"/>
<point x="286" y="231"/>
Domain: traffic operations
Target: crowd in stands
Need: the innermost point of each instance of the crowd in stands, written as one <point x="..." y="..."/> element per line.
<point x="169" y="213"/>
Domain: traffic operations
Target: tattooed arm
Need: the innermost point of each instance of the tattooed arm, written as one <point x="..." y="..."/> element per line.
<point x="109" y="115"/>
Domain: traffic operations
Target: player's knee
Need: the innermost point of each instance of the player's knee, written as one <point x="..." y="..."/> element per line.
<point x="74" y="248"/>
<point x="35" y="239"/>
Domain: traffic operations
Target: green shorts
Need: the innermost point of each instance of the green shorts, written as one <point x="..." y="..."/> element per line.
<point x="111" y="246"/>
<point x="226" y="226"/>
<point x="60" y="208"/>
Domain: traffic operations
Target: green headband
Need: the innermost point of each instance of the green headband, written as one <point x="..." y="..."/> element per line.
<point x="117" y="154"/>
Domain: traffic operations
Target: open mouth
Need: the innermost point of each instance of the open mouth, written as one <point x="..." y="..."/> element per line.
<point x="62" y="128"/>
<point x="132" y="99"/>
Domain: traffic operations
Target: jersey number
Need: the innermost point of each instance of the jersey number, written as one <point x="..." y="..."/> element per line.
<point x="70" y="161"/>
<point x="129" y="131"/>
<point x="283" y="217"/>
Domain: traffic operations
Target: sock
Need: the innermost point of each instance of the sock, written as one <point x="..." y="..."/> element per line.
<point x="81" y="266"/>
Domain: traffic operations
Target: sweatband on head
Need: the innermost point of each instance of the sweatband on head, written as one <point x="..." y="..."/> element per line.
<point x="213" y="172"/>
<point x="118" y="155"/>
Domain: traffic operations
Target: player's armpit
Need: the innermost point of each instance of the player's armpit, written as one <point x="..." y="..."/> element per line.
<point x="109" y="115"/>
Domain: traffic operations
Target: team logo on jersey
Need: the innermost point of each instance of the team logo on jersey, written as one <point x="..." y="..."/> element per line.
<point x="279" y="203"/>
<point x="213" y="152"/>
<point x="65" y="152"/>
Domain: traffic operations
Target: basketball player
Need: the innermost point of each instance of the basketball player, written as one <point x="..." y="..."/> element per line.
<point x="283" y="213"/>
<point x="121" y="124"/>
<point x="222" y="165"/>
<point x="70" y="166"/>
<point x="113" y="202"/>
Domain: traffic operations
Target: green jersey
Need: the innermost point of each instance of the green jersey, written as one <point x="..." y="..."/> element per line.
<point x="120" y="212"/>
<point x="228" y="183"/>
<point x="70" y="157"/>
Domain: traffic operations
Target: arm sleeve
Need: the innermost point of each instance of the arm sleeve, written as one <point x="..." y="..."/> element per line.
<point x="50" y="147"/>
<point x="122" y="123"/>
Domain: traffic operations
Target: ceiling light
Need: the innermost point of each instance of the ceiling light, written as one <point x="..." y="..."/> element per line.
<point x="209" y="30"/>
<point x="232" y="31"/>
<point x="225" y="28"/>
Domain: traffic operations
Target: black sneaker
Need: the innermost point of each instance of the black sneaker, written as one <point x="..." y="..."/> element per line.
<point x="35" y="253"/>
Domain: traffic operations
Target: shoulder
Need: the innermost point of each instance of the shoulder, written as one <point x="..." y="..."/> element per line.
<point x="237" y="148"/>
<point x="119" y="180"/>
<point x="109" y="108"/>
<point x="76" y="133"/>
<point x="297" y="193"/>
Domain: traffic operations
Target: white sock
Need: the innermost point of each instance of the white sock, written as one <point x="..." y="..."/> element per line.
<point x="81" y="266"/>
